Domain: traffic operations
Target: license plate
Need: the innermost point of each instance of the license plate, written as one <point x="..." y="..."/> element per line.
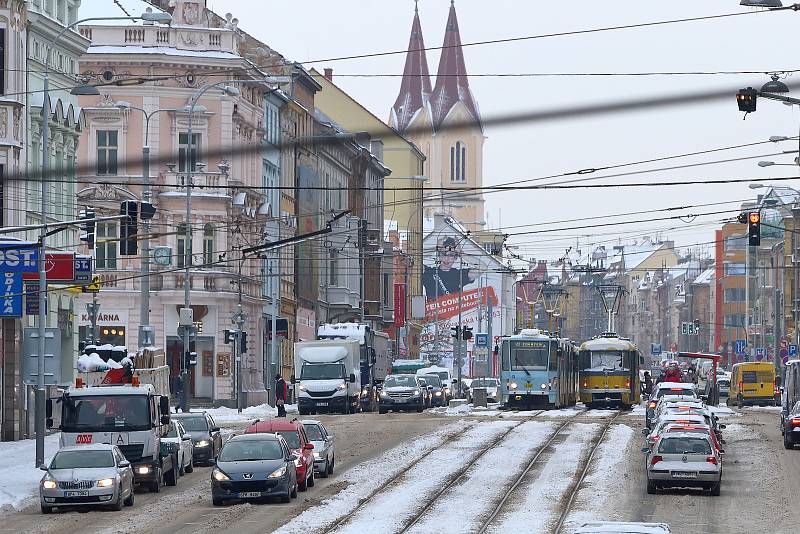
<point x="684" y="474"/>
<point x="246" y="494"/>
<point x="76" y="494"/>
<point x="528" y="386"/>
<point x="322" y="404"/>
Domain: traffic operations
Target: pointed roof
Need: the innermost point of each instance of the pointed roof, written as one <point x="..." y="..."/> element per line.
<point x="416" y="85"/>
<point x="452" y="83"/>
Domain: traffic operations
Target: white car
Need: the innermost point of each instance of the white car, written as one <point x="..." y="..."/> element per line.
<point x="178" y="435"/>
<point x="324" y="455"/>
<point x="491" y="385"/>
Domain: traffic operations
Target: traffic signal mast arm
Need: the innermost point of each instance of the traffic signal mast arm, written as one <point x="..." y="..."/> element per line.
<point x="289" y="240"/>
<point x="60" y="224"/>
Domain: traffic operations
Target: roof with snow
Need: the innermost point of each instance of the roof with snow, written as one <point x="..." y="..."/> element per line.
<point x="635" y="254"/>
<point x="705" y="276"/>
<point x="161" y="50"/>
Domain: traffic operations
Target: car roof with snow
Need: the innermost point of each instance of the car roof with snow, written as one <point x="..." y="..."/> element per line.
<point x="280" y="424"/>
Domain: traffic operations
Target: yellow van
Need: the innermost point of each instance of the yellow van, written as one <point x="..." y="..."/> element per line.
<point x="753" y="383"/>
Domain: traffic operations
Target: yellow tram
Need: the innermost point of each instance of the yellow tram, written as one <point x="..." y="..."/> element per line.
<point x="609" y="372"/>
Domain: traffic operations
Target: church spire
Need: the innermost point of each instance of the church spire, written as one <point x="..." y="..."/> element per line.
<point x="416" y="85"/>
<point x="452" y="83"/>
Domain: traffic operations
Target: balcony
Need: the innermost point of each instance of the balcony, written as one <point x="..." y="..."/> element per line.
<point x="182" y="39"/>
<point x="206" y="184"/>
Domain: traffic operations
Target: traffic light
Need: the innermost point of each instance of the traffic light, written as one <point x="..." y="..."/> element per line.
<point x="746" y="99"/>
<point x="191" y="359"/>
<point x="147" y="211"/>
<point x="696" y="326"/>
<point x="754" y="228"/>
<point x="455" y="332"/>
<point x="244" y="343"/>
<point x="466" y="333"/>
<point x="742" y="218"/>
<point x="228" y="336"/>
<point x="88" y="228"/>
<point x="128" y="228"/>
<point x="685" y="329"/>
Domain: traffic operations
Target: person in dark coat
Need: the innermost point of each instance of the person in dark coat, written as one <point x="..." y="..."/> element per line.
<point x="647" y="387"/>
<point x="179" y="393"/>
<point x="281" y="392"/>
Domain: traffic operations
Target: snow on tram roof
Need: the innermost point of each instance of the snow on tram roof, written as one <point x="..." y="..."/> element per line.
<point x="608" y="343"/>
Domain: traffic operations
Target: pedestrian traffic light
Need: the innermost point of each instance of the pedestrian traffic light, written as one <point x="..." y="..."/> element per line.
<point x="228" y="336"/>
<point x="244" y="343"/>
<point x="754" y="229"/>
<point x="455" y="331"/>
<point x="746" y="99"/>
<point x="191" y="359"/>
<point x="466" y="333"/>
<point x="128" y="245"/>
<point x="88" y="228"/>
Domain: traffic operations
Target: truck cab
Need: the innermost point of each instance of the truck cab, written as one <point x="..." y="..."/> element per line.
<point x="327" y="375"/>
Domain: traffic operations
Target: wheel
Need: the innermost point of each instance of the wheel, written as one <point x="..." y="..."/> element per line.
<point x="302" y="486"/>
<point x="312" y="481"/>
<point x="651" y="488"/>
<point x="131" y="498"/>
<point x="294" y="492"/>
<point x="190" y="467"/>
<point x="303" y="411"/>
<point x="182" y="470"/>
<point x="172" y="476"/>
<point x="419" y="410"/>
<point x="216" y="502"/>
<point x="47" y="509"/>
<point x="288" y="497"/>
<point x="715" y="489"/>
<point x="324" y="472"/>
<point x="382" y="410"/>
<point x="155" y="486"/>
<point x="787" y="441"/>
<point x="117" y="506"/>
<point x="333" y="463"/>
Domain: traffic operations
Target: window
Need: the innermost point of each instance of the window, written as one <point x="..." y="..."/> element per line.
<point x="2" y="61"/>
<point x="333" y="267"/>
<point x="735" y="269"/>
<point x="458" y="162"/>
<point x="208" y="245"/>
<point x="734" y="321"/>
<point x="105" y="249"/>
<point x="183" y="251"/>
<point x="106" y="152"/>
<point x="184" y="148"/>
<point x="735" y="242"/>
<point x="734" y="294"/>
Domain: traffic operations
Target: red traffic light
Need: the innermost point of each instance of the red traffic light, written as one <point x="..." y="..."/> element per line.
<point x="754" y="217"/>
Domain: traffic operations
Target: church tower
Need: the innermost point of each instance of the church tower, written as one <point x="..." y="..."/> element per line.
<point x="446" y="126"/>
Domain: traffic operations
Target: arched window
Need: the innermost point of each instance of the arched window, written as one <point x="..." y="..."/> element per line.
<point x="458" y="162"/>
<point x="208" y="244"/>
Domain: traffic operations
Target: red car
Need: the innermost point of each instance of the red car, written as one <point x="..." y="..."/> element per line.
<point x="295" y="435"/>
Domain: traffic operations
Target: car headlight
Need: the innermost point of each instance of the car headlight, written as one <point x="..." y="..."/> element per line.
<point x="416" y="394"/>
<point x="202" y="443"/>
<point x="513" y="385"/>
<point x="219" y="475"/>
<point x="438" y="393"/>
<point x="343" y="386"/>
<point x="49" y="484"/>
<point x="384" y="395"/>
<point x="105" y="482"/>
<point x="143" y="469"/>
<point x="544" y="386"/>
<point x="447" y="391"/>
<point x="278" y="473"/>
<point x="301" y="387"/>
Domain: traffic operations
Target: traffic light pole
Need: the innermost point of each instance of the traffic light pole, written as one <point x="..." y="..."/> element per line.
<point x="460" y="331"/>
<point x="239" y="319"/>
<point x="144" y="297"/>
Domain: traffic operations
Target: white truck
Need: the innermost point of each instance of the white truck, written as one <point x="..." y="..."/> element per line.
<point x="327" y="376"/>
<point x="127" y="407"/>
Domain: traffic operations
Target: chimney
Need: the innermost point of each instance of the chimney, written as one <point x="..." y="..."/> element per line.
<point x="329" y="74"/>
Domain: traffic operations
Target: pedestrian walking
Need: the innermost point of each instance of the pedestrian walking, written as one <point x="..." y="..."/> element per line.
<point x="179" y="393"/>
<point x="281" y="392"/>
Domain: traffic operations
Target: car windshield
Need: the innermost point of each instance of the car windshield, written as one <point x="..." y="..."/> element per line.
<point x="292" y="438"/>
<point x="322" y="371"/>
<point x="105" y="413"/>
<point x="484" y="383"/>
<point x="684" y="445"/>
<point x="81" y="459"/>
<point x="443" y="375"/>
<point x="250" y="450"/>
<point x="400" y="381"/>
<point x="314" y="432"/>
<point x="433" y="380"/>
<point x="194" y="423"/>
<point x="530" y="354"/>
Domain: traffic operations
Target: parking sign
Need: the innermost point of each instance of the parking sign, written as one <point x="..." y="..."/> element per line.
<point x="792" y="350"/>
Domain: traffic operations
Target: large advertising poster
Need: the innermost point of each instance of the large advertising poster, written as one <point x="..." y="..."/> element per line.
<point x="459" y="279"/>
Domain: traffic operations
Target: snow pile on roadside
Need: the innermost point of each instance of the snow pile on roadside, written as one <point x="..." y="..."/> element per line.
<point x="639" y="409"/>
<point x="762" y="409"/>
<point x="461" y="409"/>
<point x="722" y="411"/>
<point x="232" y="415"/>
<point x="19" y="479"/>
<point x="594" y="494"/>
<point x="735" y="432"/>
<point x="364" y="478"/>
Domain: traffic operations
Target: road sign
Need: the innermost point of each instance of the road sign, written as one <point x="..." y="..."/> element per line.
<point x="480" y="354"/>
<point x="32" y="298"/>
<point x="482" y="341"/>
<point x="19" y="257"/>
<point x="792" y="350"/>
<point x="94" y="286"/>
<point x="52" y="355"/>
<point x="59" y="266"/>
<point x="83" y="269"/>
<point x="655" y="349"/>
<point x="760" y="353"/>
<point x="740" y="345"/>
<point x="11" y="305"/>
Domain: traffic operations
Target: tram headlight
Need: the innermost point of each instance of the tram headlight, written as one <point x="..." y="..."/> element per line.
<point x="544" y="386"/>
<point x="513" y="385"/>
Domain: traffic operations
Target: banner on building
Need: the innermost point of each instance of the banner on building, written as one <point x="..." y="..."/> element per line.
<point x="399" y="305"/>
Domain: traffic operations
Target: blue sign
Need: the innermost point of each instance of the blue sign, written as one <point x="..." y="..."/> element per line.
<point x="83" y="269"/>
<point x="655" y="349"/>
<point x="792" y="350"/>
<point x="11" y="305"/>
<point x="760" y="353"/>
<point x="19" y="257"/>
<point x="740" y="345"/>
<point x="482" y="341"/>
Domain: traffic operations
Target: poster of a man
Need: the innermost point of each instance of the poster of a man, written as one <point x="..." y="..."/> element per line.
<point x="446" y="278"/>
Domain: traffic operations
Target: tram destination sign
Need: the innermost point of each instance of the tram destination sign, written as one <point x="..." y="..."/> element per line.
<point x="530" y="344"/>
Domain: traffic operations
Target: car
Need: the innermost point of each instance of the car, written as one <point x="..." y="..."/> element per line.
<point x="791" y="427"/>
<point x="439" y="392"/>
<point x="178" y="436"/>
<point x="87" y="476"/>
<point x="206" y="436"/>
<point x="623" y="527"/>
<point x="724" y="384"/>
<point x="491" y="385"/>
<point x="684" y="460"/>
<point x="294" y="433"/>
<point x="401" y="392"/>
<point x="324" y="454"/>
<point x="652" y="435"/>
<point x="254" y="466"/>
<point x="667" y="388"/>
<point x="426" y="391"/>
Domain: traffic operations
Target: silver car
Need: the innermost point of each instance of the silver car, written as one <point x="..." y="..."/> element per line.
<point x="684" y="460"/>
<point x="324" y="455"/>
<point x="178" y="436"/>
<point x="87" y="475"/>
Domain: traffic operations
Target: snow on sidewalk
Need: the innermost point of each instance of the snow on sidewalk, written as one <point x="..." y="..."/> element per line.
<point x="485" y="482"/>
<point x="366" y="477"/>
<point x="19" y="479"/>
<point x="232" y="415"/>
<point x="534" y="506"/>
<point x="390" y="509"/>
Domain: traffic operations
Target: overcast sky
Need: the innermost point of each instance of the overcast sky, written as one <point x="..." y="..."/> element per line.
<point x="306" y="30"/>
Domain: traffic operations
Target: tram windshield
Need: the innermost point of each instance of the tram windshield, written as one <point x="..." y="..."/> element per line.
<point x="530" y="354"/>
<point x="605" y="360"/>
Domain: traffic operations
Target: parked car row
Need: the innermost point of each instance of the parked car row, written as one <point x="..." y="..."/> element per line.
<point x="683" y="440"/>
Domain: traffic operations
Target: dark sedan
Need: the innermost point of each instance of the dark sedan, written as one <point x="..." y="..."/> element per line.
<point x="206" y="437"/>
<point x="254" y="467"/>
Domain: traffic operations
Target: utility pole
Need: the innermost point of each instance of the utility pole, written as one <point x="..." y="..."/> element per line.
<point x="238" y="319"/>
<point x="144" y="297"/>
<point x="489" y="370"/>
<point x="460" y="332"/>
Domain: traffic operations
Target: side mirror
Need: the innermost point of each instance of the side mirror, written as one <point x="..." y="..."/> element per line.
<point x="352" y="378"/>
<point x="186" y="437"/>
<point x="214" y="429"/>
<point x="163" y="405"/>
<point x="430" y="388"/>
<point x="291" y="458"/>
<point x="309" y="447"/>
<point x="645" y="449"/>
<point x="43" y="467"/>
<point x="165" y="419"/>
<point x="645" y="431"/>
<point x="723" y="442"/>
<point x="722" y="451"/>
<point x="723" y="427"/>
<point x="293" y="379"/>
<point x="124" y="463"/>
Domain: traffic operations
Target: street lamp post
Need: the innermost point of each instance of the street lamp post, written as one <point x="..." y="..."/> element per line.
<point x="39" y="424"/>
